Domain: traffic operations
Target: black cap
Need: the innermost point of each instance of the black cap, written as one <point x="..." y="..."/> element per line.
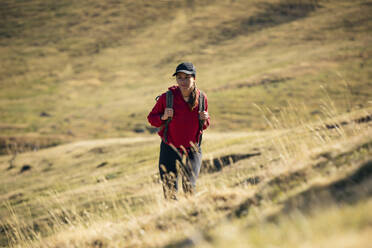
<point x="186" y="67"/>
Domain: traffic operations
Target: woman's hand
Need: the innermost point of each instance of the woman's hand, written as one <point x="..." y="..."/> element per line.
<point x="168" y="113"/>
<point x="204" y="115"/>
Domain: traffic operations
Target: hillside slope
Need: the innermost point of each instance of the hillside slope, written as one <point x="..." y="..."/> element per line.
<point x="107" y="192"/>
<point x="73" y="70"/>
<point x="288" y="154"/>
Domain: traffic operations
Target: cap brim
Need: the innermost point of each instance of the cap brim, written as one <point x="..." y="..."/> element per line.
<point x="184" y="71"/>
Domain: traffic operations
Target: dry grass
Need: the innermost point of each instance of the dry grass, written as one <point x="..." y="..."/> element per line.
<point x="337" y="226"/>
<point x="122" y="205"/>
<point x="294" y="87"/>
<point x="88" y="93"/>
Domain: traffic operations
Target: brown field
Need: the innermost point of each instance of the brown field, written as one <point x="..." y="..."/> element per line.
<point x="287" y="160"/>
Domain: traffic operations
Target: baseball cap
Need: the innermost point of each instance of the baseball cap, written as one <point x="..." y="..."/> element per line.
<point x="186" y="67"/>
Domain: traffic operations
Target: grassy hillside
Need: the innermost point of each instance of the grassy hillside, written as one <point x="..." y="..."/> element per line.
<point x="287" y="155"/>
<point x="74" y="70"/>
<point x="106" y="193"/>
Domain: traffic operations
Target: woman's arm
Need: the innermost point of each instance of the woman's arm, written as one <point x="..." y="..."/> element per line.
<point x="157" y="111"/>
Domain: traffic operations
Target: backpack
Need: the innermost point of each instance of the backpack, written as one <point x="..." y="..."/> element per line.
<point x="169" y="104"/>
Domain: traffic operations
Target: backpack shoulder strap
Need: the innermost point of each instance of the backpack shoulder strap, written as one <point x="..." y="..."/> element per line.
<point x="169" y="104"/>
<point x="169" y="99"/>
<point x="201" y="108"/>
<point x="201" y="101"/>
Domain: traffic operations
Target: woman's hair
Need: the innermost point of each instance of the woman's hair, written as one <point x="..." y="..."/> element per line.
<point x="193" y="100"/>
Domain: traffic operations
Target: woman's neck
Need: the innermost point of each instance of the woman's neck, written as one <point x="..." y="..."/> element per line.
<point x="186" y="93"/>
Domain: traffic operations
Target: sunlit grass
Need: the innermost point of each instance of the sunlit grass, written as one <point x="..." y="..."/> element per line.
<point x="274" y="84"/>
<point x="341" y="226"/>
<point x="91" y="94"/>
<point x="125" y="195"/>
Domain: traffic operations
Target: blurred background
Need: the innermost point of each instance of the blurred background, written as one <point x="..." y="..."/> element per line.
<point x="74" y="70"/>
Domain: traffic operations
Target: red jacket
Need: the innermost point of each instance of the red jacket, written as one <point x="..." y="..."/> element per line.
<point x="184" y="126"/>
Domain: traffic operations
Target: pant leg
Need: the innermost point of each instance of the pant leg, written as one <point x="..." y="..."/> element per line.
<point x="191" y="173"/>
<point x="168" y="170"/>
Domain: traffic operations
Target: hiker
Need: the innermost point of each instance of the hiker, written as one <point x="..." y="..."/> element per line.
<point x="181" y="114"/>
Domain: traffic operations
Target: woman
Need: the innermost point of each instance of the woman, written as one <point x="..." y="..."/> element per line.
<point x="181" y="128"/>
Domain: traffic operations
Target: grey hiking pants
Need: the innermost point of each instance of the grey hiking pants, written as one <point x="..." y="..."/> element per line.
<point x="169" y="171"/>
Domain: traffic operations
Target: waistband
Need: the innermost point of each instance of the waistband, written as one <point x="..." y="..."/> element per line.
<point x="182" y="151"/>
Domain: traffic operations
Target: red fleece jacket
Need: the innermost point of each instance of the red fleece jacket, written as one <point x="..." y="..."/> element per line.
<point x="184" y="126"/>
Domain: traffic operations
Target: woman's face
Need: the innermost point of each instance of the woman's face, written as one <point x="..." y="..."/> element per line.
<point x="185" y="81"/>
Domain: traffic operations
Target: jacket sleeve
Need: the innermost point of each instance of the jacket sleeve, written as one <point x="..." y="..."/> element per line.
<point x="207" y="122"/>
<point x="157" y="111"/>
